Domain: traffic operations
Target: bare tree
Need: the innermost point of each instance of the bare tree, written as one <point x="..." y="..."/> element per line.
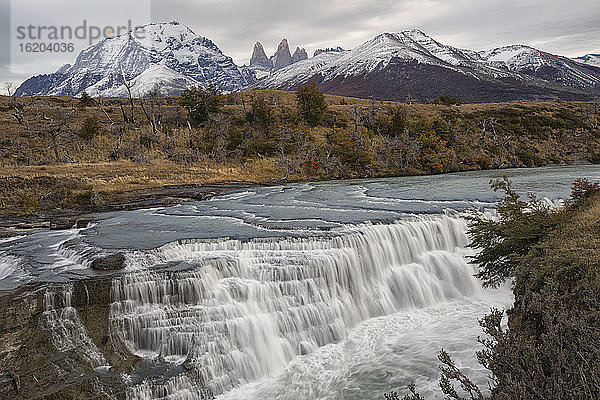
<point x="9" y="87"/>
<point x="151" y="105"/>
<point x="55" y="129"/>
<point x="101" y="107"/>
<point x="128" y="85"/>
<point x="218" y="130"/>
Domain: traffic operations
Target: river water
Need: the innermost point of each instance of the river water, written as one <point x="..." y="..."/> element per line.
<point x="331" y="290"/>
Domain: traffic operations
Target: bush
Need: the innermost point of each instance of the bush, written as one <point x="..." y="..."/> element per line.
<point x="311" y="103"/>
<point x="260" y="114"/>
<point x="582" y="189"/>
<point x="504" y="243"/>
<point x="86" y="100"/>
<point x="90" y="129"/>
<point x="447" y="101"/>
<point x="396" y="122"/>
<point x="200" y="102"/>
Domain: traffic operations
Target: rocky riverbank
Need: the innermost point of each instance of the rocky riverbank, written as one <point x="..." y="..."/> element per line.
<point x="80" y="216"/>
<point x="34" y="367"/>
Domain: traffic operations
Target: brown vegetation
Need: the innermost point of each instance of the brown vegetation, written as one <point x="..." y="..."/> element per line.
<point x="95" y="148"/>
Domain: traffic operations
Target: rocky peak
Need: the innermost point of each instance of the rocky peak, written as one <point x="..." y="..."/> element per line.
<point x="259" y="58"/>
<point x="589" y="59"/>
<point x="299" y="55"/>
<point x="282" y="58"/>
<point x="329" y="50"/>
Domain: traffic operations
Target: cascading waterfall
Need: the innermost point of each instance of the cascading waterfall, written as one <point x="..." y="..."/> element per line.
<point x="243" y="310"/>
<point x="66" y="330"/>
<point x="316" y="296"/>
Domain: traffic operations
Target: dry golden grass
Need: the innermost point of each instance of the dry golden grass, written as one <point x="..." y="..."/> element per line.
<point x="126" y="175"/>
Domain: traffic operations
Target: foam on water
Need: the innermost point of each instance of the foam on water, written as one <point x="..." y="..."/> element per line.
<point x="304" y="291"/>
<point x="249" y="308"/>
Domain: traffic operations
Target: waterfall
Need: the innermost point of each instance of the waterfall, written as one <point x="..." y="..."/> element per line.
<point x="238" y="311"/>
<point x="67" y="333"/>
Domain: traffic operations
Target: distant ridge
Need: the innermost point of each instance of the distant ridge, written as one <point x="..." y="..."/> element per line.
<point x="410" y="65"/>
<point x="405" y="66"/>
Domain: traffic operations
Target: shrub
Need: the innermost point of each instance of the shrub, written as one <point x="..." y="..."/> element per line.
<point x="311" y="103"/>
<point x="447" y="101"/>
<point x="260" y="114"/>
<point x="200" y="102"/>
<point x="90" y="129"/>
<point x="583" y="188"/>
<point x="148" y="140"/>
<point x="86" y="100"/>
<point x="504" y="243"/>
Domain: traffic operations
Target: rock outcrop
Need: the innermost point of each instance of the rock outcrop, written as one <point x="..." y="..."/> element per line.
<point x="109" y="263"/>
<point x="259" y="58"/>
<point x="282" y="57"/>
<point x="34" y="368"/>
<point x="299" y="55"/>
<point x="328" y="50"/>
<point x="263" y="66"/>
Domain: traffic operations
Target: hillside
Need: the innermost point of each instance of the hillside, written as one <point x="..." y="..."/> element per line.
<point x="58" y="153"/>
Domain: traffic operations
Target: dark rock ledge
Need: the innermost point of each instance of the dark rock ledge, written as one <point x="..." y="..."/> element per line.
<point x="131" y="200"/>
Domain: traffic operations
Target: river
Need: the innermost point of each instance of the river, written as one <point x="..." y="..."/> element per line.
<point x="329" y="290"/>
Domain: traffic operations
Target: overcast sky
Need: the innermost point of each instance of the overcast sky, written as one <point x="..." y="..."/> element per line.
<point x="570" y="28"/>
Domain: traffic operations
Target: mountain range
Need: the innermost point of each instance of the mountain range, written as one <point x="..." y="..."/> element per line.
<point x="405" y="66"/>
<point x="412" y="66"/>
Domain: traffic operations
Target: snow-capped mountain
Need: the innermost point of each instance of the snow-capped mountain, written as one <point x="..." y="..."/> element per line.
<point x="170" y="57"/>
<point x="407" y="65"/>
<point x="552" y="68"/>
<point x="412" y="65"/>
<point x="589" y="59"/>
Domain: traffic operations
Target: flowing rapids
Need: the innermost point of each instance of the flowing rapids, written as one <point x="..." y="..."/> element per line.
<point x="250" y="308"/>
<point x="242" y="311"/>
<point x="339" y="290"/>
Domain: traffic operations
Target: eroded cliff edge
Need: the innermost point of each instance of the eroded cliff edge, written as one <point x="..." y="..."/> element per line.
<point x="33" y="367"/>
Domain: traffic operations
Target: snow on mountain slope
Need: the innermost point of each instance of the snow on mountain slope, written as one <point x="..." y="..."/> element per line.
<point x="589" y="59"/>
<point x="449" y="54"/>
<point x="375" y="54"/>
<point x="413" y="49"/>
<point x="170" y="55"/>
<point x="299" y="72"/>
<point x="515" y="57"/>
<point x="555" y="69"/>
<point x="156" y="76"/>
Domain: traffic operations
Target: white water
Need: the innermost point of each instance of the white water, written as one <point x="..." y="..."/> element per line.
<point x="249" y="309"/>
<point x="317" y="295"/>
<point x="67" y="333"/>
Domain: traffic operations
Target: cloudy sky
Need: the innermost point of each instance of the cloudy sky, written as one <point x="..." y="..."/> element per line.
<point x="570" y="28"/>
